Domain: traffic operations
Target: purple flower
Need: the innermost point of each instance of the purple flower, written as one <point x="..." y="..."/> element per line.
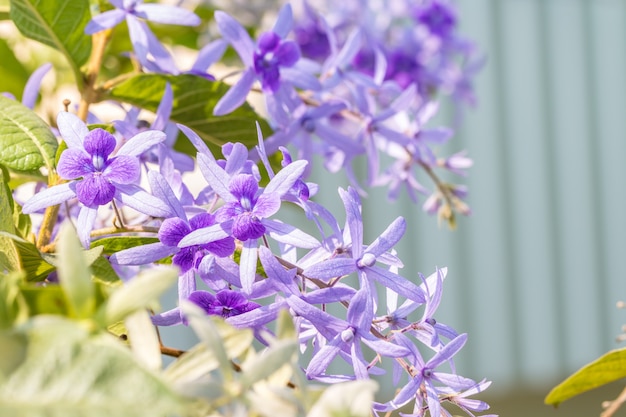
<point x="150" y="53"/>
<point x="225" y="303"/>
<point x="270" y="61"/>
<point x="438" y="17"/>
<point x="96" y="177"/>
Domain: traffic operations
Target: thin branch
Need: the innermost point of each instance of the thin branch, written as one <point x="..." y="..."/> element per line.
<point x="614" y="405"/>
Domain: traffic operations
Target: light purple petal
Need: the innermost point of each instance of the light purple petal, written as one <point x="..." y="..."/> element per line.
<point x="218" y="179"/>
<point x="104" y="21"/>
<point x="237" y="158"/>
<point x="266" y="205"/>
<point x="286" y="178"/>
<point x="164" y="110"/>
<point x="74" y="163"/>
<point x="173" y="230"/>
<point x="397" y="283"/>
<point x="135" y="197"/>
<point x="84" y="224"/>
<point x="354" y="220"/>
<point x="72" y="129"/>
<point x="31" y="90"/>
<point x="247" y="265"/>
<point x="197" y="141"/>
<point x="236" y="95"/>
<point x="448" y="351"/>
<point x="331" y="268"/>
<point x="49" y="197"/>
<point x="209" y="55"/>
<point x="386" y="348"/>
<point x="168" y="318"/>
<point x="142" y="255"/>
<point x="300" y="79"/>
<point x="284" y="21"/>
<point x="141" y="142"/>
<point x="205" y="235"/>
<point x="162" y="190"/>
<point x="171" y="15"/>
<point x="145" y="44"/>
<point x="388" y="239"/>
<point x="286" y="233"/>
<point x="327" y="324"/>
<point x="257" y="317"/>
<point x="186" y="284"/>
<point x="236" y="35"/>
<point x="323" y="358"/>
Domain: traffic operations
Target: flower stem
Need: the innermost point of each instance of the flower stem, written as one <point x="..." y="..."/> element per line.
<point x="89" y="94"/>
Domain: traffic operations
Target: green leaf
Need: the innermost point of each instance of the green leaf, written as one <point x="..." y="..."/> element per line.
<point x="608" y="368"/>
<point x="103" y="272"/>
<point x="74" y="274"/>
<point x="111" y="245"/>
<point x="56" y="23"/>
<point x="13" y="75"/>
<point x="347" y="399"/>
<point x="70" y="372"/>
<point x="13" y="306"/>
<point x="280" y="353"/>
<point x="9" y="255"/>
<point x="194" y="100"/>
<point x="29" y="259"/>
<point x="26" y="141"/>
<point x="23" y="224"/>
<point x="45" y="300"/>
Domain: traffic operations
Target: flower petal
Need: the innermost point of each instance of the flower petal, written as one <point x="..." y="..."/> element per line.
<point x="123" y="169"/>
<point x="74" y="163"/>
<point x="171" y="15"/>
<point x="49" y="197"/>
<point x="99" y="143"/>
<point x="72" y="129"/>
<point x="236" y="35"/>
<point x="94" y="190"/>
<point x="173" y="230"/>
<point x="135" y="197"/>
<point x="236" y="95"/>
<point x="104" y="21"/>
<point x="84" y="224"/>
<point x="141" y="142"/>
<point x="142" y="255"/>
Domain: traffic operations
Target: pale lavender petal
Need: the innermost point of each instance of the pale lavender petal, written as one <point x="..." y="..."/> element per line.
<point x="168" y="318"/>
<point x="247" y="265"/>
<point x="281" y="278"/>
<point x="327" y="324"/>
<point x="186" y="284"/>
<point x="330" y="295"/>
<point x="205" y="235"/>
<point x="135" y="197"/>
<point x="209" y="55"/>
<point x="84" y="224"/>
<point x="286" y="233"/>
<point x="74" y="163"/>
<point x="323" y="358"/>
<point x="385" y="348"/>
<point x="266" y="205"/>
<point x="388" y="239"/>
<point x="300" y="79"/>
<point x="197" y="142"/>
<point x="454" y="381"/>
<point x="31" y="90"/>
<point x="145" y="43"/>
<point x="236" y="35"/>
<point x="49" y="197"/>
<point x="354" y="220"/>
<point x="142" y="255"/>
<point x="286" y="178"/>
<point x="104" y="21"/>
<point x="350" y="48"/>
<point x="237" y="158"/>
<point x="164" y="110"/>
<point x="448" y="351"/>
<point x="141" y="142"/>
<point x="257" y="317"/>
<point x="123" y="169"/>
<point x="331" y="268"/>
<point x="397" y="283"/>
<point x="72" y="129"/>
<point x="406" y="394"/>
<point x="284" y="21"/>
<point x="236" y="95"/>
<point x="162" y="190"/>
<point x="218" y="179"/>
<point x="172" y="15"/>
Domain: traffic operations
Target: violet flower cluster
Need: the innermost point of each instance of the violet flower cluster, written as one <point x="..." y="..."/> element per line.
<point x="355" y="82"/>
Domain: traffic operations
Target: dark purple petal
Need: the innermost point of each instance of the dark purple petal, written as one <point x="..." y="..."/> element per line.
<point x="94" y="190"/>
<point x="228" y="211"/>
<point x="185" y="258"/>
<point x="123" y="169"/>
<point x="99" y="143"/>
<point x="201" y="220"/>
<point x="222" y="248"/>
<point x="244" y="187"/>
<point x="74" y="163"/>
<point x="173" y="230"/>
<point x="246" y="226"/>
<point x="203" y="299"/>
<point x="268" y="41"/>
<point x="230" y="298"/>
<point x="287" y="54"/>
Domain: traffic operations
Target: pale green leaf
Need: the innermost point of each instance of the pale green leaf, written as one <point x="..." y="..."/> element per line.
<point x="13" y="306"/>
<point x="267" y="362"/>
<point x="9" y="255"/>
<point x="69" y="372"/>
<point x="608" y="368"/>
<point x="347" y="399"/>
<point x="117" y="243"/>
<point x="59" y="24"/>
<point x="13" y="75"/>
<point x="74" y="274"/>
<point x="144" y="341"/>
<point x="26" y="141"/>
<point x="141" y="292"/>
